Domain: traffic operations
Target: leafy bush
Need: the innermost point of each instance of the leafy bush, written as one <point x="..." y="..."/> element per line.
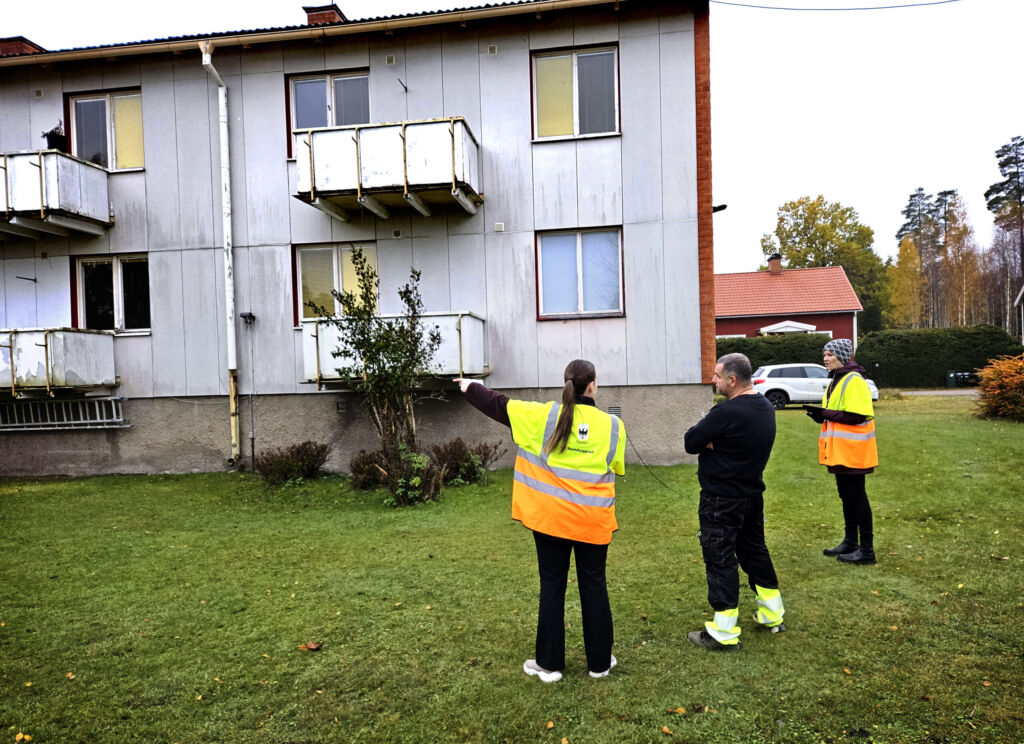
<point x="789" y="348"/>
<point x="921" y="358"/>
<point x="1001" y="388"/>
<point x="456" y="462"/>
<point x="299" y="461"/>
<point x="413" y="479"/>
<point x="366" y="470"/>
<point x="488" y="453"/>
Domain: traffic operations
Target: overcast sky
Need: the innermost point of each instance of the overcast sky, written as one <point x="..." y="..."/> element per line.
<point x="862" y="107"/>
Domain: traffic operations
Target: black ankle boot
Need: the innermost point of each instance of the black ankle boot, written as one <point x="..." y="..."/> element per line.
<point x="860" y="555"/>
<point x="845" y="546"/>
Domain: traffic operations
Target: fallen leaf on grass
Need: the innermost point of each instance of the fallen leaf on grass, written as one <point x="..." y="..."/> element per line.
<point x="680" y="711"/>
<point x="310" y="646"/>
<point x="665" y="730"/>
<point x="894" y="627"/>
<point x="71" y="675"/>
<point x="847" y="670"/>
<point x="987" y="683"/>
<point x="564" y="740"/>
<point x="875" y="592"/>
<point x="28" y="684"/>
<point x="22" y="737"/>
<point x="551" y="724"/>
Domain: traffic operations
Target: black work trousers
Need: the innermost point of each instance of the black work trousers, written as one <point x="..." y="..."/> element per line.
<point x="731" y="536"/>
<point x="553" y="561"/>
<point x="857" y="516"/>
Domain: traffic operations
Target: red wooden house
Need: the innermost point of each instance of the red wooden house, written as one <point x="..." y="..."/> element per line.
<point x="758" y="303"/>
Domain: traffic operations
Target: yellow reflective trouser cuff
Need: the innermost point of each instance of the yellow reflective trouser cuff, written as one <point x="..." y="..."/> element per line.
<point x="724" y="628"/>
<point x="769" y="606"/>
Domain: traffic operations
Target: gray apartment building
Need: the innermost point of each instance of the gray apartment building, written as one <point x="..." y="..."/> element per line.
<point x="168" y="208"/>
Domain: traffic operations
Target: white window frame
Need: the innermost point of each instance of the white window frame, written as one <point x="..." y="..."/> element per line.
<point x="337" y="272"/>
<point x="115" y="260"/>
<point x="575" y="94"/>
<point x="330" y="77"/>
<point x="580" y="312"/>
<point x="111" y="134"/>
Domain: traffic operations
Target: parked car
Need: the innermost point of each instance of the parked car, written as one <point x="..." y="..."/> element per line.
<point x="782" y="384"/>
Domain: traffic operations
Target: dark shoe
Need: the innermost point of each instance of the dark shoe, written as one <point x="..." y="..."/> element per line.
<point x="844" y="547"/>
<point x="860" y="556"/>
<point x="703" y="639"/>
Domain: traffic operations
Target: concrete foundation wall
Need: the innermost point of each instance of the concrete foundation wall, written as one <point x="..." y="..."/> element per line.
<point x="182" y="435"/>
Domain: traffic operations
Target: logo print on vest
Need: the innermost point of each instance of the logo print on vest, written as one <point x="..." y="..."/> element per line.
<point x="582" y="431"/>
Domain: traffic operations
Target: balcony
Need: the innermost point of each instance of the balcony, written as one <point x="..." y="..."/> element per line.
<point x="49" y="193"/>
<point x="461" y="352"/>
<point x="425" y="164"/>
<point x="45" y="361"/>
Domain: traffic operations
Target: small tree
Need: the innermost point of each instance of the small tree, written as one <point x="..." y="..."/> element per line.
<point x="383" y="358"/>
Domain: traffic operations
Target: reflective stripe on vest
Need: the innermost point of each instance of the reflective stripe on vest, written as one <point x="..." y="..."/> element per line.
<point x="850" y="445"/>
<point x="564" y="501"/>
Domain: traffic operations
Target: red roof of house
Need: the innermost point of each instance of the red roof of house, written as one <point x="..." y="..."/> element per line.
<point x="820" y="290"/>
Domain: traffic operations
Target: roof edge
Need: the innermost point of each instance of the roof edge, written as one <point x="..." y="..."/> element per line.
<point x="299" y="33"/>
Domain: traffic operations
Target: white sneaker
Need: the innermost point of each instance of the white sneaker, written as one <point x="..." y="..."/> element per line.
<point x="531" y="667"/>
<point x="598" y="675"/>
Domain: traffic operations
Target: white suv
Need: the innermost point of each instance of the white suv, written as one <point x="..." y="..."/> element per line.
<point x="795" y="383"/>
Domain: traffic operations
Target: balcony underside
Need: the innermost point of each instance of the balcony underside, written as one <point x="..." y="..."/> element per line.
<point x="54" y="222"/>
<point x="382" y="202"/>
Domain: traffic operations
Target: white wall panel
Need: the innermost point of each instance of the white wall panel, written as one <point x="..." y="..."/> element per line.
<point x="160" y="141"/>
<point x="506" y="128"/>
<point x="558" y="343"/>
<point x="678" y="127"/>
<point x="346" y="53"/>
<point x="555" y="31"/>
<point x="20" y="294"/>
<point x="3" y="285"/>
<point x="46" y="111"/>
<point x="511" y="310"/>
<point x="599" y="172"/>
<point x="460" y="62"/>
<point x="468" y="273"/>
<point x="308" y="224"/>
<point x="555" y="180"/>
<point x="394" y="259"/>
<point x="675" y="19"/>
<point x="85" y="76"/>
<point x="430" y="256"/>
<point x="15" y="130"/>
<point x="682" y="302"/>
<point x="388" y="100"/>
<point x="121" y="74"/>
<point x="228" y="65"/>
<point x="133" y="362"/>
<point x="641" y="20"/>
<point x="604" y="344"/>
<point x="639" y="73"/>
<point x="361" y="226"/>
<point x="300" y="59"/>
<point x="595" y="26"/>
<point x="266" y="174"/>
<point x="199" y="289"/>
<point x="644" y="267"/>
<point x="271" y="301"/>
<point x="195" y="158"/>
<point x="167" y="323"/>
<point x="53" y="291"/>
<point x="423" y="66"/>
<point x="127" y="193"/>
<point x="262" y="59"/>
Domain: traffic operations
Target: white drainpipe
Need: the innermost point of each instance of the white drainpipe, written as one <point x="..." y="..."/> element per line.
<point x="229" y="280"/>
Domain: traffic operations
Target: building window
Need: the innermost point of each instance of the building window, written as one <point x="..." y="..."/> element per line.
<point x="330" y="101"/>
<point x="106" y="129"/>
<point x="321" y="268"/>
<point x="576" y="93"/>
<point x="113" y="293"/>
<point x="580" y="273"/>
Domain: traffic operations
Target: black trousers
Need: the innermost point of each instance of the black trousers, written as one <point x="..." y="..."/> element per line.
<point x="553" y="562"/>
<point x="731" y="536"/>
<point x="857" y="516"/>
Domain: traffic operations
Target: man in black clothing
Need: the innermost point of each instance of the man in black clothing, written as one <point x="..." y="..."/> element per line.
<point x="733" y="443"/>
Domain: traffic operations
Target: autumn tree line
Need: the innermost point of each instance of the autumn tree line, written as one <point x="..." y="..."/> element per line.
<point x="941" y="276"/>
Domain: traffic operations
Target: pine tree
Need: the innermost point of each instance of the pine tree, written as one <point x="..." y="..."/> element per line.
<point x="1005" y="199"/>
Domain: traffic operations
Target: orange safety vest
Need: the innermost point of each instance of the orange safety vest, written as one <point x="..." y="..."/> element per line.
<point x="568" y="494"/>
<point x="850" y="445"/>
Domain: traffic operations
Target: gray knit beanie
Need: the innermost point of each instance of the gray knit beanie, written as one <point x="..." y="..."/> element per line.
<point x="842" y="348"/>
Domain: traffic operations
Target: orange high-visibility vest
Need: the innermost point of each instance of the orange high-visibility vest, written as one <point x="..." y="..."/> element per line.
<point x="844" y="444"/>
<point x="568" y="494"/>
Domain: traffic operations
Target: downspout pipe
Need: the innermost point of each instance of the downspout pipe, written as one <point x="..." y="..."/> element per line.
<point x="206" y="48"/>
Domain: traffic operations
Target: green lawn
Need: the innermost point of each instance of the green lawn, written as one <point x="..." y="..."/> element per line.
<point x="171" y="609"/>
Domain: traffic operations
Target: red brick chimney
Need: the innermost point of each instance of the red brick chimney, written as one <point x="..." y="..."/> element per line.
<point x="15" y="46"/>
<point x="320" y="15"/>
<point x="775" y="264"/>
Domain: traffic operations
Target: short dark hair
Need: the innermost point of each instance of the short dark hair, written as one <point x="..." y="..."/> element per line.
<point x="737" y="365"/>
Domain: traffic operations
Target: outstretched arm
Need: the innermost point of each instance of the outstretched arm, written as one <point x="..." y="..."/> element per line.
<point x="487" y="401"/>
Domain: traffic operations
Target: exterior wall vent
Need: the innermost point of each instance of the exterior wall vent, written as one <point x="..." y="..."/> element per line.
<point x="615" y="411"/>
<point x="492" y="48"/>
<point x="389" y="60"/>
<point x="56" y="414"/>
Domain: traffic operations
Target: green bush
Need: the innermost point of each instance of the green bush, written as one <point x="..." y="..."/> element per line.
<point x="788" y="348"/>
<point x="921" y="358"/>
<point x="457" y="463"/>
<point x="366" y="470"/>
<point x="305" y="460"/>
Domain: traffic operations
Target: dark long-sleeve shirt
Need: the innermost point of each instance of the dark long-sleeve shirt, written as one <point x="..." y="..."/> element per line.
<point x="495" y="405"/>
<point x="741" y="431"/>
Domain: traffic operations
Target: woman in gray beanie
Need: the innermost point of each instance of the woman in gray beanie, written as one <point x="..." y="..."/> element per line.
<point x="847" y="447"/>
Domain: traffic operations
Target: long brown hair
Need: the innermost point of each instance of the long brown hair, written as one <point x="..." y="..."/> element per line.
<point x="578" y="375"/>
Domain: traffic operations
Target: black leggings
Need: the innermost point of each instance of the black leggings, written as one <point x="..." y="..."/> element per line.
<point x="856" y="509"/>
<point x="553" y="561"/>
